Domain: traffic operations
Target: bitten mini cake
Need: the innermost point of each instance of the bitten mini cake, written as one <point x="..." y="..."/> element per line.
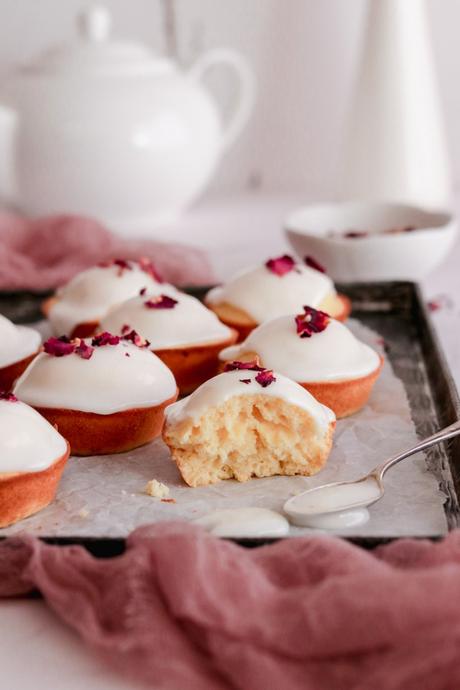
<point x="32" y="458"/>
<point x="18" y="347"/>
<point x="184" y="334"/>
<point x="318" y="352"/>
<point x="105" y="395"/>
<point x="248" y="422"/>
<point x="281" y="286"/>
<point x="77" y="308"/>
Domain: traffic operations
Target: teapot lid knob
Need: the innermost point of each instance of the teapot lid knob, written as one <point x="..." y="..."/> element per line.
<point x="94" y="23"/>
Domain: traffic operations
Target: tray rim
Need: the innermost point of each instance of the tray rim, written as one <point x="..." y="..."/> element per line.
<point x="107" y="547"/>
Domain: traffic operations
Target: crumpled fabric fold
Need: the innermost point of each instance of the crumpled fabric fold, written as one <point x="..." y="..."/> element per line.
<point x="183" y="609"/>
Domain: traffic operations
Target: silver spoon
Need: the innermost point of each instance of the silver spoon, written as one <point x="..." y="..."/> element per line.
<point x="351" y="495"/>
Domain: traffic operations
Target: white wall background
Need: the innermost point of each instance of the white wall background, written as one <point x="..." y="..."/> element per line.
<point x="304" y="53"/>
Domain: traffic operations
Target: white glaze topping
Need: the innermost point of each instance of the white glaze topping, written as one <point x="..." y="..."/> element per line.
<point x="334" y="506"/>
<point x="221" y="388"/>
<point x="244" y="522"/>
<point x="16" y="342"/>
<point x="189" y="322"/>
<point x="28" y="442"/>
<point x="264" y="295"/>
<point x="332" y="355"/>
<point x="90" y="295"/>
<point x="335" y="521"/>
<point x="108" y="382"/>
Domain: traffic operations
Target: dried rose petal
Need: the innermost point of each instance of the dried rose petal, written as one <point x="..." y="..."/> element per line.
<point x="434" y="305"/>
<point x="440" y="302"/>
<point x="142" y="291"/>
<point x="148" y="267"/>
<point x="123" y="265"/>
<point x="105" y="338"/>
<point x="84" y="350"/>
<point x="161" y="302"/>
<point x="240" y="366"/>
<point x="312" y="263"/>
<point x="311" y="321"/>
<point x="59" y="347"/>
<point x="355" y="234"/>
<point x="126" y="328"/>
<point x="245" y="380"/>
<point x="281" y="265"/>
<point x="9" y="397"/>
<point x="265" y="378"/>
<point x="134" y="337"/>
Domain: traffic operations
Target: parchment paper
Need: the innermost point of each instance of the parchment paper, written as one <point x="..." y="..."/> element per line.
<point x="104" y="496"/>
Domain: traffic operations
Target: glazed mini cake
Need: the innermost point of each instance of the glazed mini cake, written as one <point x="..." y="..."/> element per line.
<point x="184" y="334"/>
<point x="248" y="422"/>
<point x="280" y="286"/>
<point x="32" y="457"/>
<point x="105" y="395"/>
<point x="318" y="352"/>
<point x="18" y="347"/>
<point x="77" y="308"/>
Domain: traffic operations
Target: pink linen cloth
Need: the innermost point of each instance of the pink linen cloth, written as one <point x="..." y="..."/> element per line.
<point x="181" y="609"/>
<point x="43" y="253"/>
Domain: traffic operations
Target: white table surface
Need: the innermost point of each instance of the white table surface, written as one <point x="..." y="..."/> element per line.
<point x="38" y="652"/>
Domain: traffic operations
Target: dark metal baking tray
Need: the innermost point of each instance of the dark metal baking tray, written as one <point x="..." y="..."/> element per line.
<point x="397" y="312"/>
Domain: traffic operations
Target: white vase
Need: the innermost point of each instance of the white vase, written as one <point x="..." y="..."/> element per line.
<point x="395" y="149"/>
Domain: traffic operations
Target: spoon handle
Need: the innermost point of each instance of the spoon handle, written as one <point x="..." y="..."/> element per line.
<point x="442" y="435"/>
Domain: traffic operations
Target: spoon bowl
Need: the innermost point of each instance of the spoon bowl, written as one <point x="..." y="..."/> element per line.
<point x="344" y="504"/>
<point x="335" y="498"/>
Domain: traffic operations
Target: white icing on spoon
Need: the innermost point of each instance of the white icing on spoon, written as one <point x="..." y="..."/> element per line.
<point x="341" y="520"/>
<point x="245" y="522"/>
<point x="334" y="506"/>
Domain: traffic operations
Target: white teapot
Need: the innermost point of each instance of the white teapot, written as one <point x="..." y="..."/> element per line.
<point x="106" y="129"/>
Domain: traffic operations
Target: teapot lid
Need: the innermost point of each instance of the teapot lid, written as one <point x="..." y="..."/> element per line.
<point x="95" y="54"/>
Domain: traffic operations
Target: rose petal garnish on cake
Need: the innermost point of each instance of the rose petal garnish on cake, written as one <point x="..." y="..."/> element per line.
<point x="148" y="267"/>
<point x="84" y="350"/>
<point x="63" y="346"/>
<point x="265" y="378"/>
<point x="161" y="302"/>
<point x="105" y="338"/>
<point x="144" y="264"/>
<point x="142" y="291"/>
<point x="59" y="347"/>
<point x="243" y="366"/>
<point x="311" y="262"/>
<point x="9" y="397"/>
<point x="133" y="336"/>
<point x="122" y="264"/>
<point x="311" y="321"/>
<point x="281" y="265"/>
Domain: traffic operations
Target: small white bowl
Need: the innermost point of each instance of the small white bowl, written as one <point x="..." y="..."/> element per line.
<point x="316" y="231"/>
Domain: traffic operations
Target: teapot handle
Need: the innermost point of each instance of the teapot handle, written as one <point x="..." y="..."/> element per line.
<point x="243" y="72"/>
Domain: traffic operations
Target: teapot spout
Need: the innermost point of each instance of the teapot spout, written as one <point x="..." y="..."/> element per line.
<point x="8" y="124"/>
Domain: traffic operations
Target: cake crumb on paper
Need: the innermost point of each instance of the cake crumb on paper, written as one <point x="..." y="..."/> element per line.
<point x="156" y="489"/>
<point x="83" y="513"/>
